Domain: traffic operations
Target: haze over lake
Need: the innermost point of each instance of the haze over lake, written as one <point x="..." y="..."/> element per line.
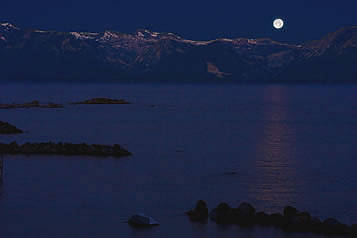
<point x="288" y="145"/>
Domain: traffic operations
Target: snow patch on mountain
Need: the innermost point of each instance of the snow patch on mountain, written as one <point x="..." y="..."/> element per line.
<point x="39" y="31"/>
<point x="110" y="35"/>
<point x="140" y="34"/>
<point x="198" y="43"/>
<point x="225" y="40"/>
<point x="84" y="35"/>
<point x="147" y="34"/>
<point x="8" y="26"/>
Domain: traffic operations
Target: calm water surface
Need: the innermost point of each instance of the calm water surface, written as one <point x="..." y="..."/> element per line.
<point x="289" y="145"/>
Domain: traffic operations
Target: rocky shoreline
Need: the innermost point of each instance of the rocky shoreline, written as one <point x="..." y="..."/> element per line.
<point x="33" y="104"/>
<point x="64" y="149"/>
<point x="7" y="128"/>
<point x="290" y="220"/>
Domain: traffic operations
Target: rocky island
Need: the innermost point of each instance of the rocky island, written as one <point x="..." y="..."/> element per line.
<point x="290" y="220"/>
<point x="103" y="101"/>
<point x="64" y="149"/>
<point x="33" y="104"/>
<point x="6" y="128"/>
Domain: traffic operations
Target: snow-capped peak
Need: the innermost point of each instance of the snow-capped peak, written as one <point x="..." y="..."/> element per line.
<point x="107" y="35"/>
<point x="144" y="33"/>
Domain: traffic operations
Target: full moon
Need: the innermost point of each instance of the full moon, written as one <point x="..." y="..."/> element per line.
<point x="278" y="23"/>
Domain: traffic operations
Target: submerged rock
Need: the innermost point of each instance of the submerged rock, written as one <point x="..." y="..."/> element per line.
<point x="6" y="128"/>
<point x="199" y="213"/>
<point x="103" y="101"/>
<point x="63" y="149"/>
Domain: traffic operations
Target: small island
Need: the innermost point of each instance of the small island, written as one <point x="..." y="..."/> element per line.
<point x="64" y="149"/>
<point x="290" y="220"/>
<point x="33" y="104"/>
<point x="6" y="128"/>
<point x="103" y="101"/>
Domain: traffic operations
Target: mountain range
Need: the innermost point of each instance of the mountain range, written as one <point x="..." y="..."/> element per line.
<point x="36" y="55"/>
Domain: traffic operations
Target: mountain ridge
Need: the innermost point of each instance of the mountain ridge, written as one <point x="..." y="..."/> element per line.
<point x="30" y="54"/>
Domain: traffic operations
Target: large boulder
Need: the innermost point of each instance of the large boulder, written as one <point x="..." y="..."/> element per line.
<point x="290" y="211"/>
<point x="245" y="214"/>
<point x="354" y="230"/>
<point x="331" y="226"/>
<point x="262" y="218"/>
<point x="223" y="214"/>
<point x="278" y="219"/>
<point x="300" y="222"/>
<point x="315" y="224"/>
<point x="199" y="213"/>
<point x="245" y="209"/>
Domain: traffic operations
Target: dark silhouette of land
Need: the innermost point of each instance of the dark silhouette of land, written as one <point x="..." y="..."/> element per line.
<point x="103" y="101"/>
<point x="64" y="149"/>
<point x="33" y="104"/>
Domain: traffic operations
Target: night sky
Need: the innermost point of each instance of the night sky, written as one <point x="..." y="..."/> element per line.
<point x="199" y="20"/>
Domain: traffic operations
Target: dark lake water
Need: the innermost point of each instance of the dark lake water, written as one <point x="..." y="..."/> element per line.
<point x="289" y="145"/>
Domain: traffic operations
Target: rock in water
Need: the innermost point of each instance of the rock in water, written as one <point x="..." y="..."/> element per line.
<point x="200" y="213"/>
<point x="278" y="219"/>
<point x="222" y="214"/>
<point x="315" y="224"/>
<point x="6" y="128"/>
<point x="245" y="214"/>
<point x="246" y="209"/>
<point x="141" y="220"/>
<point x="300" y="222"/>
<point x="262" y="218"/>
<point x="331" y="226"/>
<point x="290" y="211"/>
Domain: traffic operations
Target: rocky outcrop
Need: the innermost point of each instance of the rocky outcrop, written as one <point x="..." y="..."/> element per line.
<point x="64" y="149"/>
<point x="103" y="101"/>
<point x="6" y="128"/>
<point x="33" y="104"/>
<point x="291" y="220"/>
<point x="199" y="213"/>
